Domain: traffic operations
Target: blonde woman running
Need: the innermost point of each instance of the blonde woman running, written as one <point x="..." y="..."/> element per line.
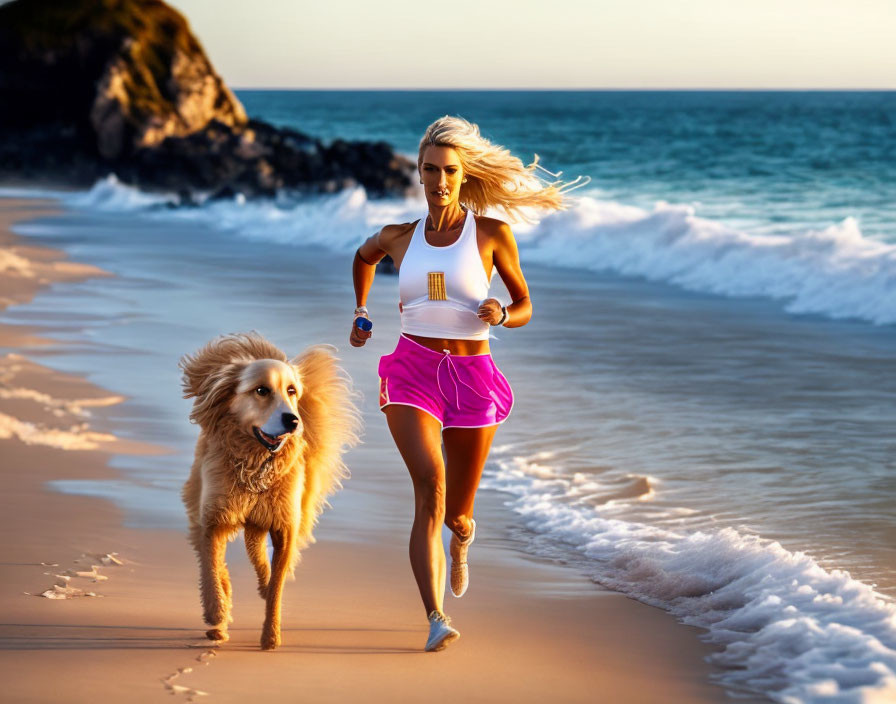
<point x="440" y="385"/>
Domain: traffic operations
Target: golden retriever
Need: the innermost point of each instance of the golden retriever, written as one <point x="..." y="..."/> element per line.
<point x="269" y="453"/>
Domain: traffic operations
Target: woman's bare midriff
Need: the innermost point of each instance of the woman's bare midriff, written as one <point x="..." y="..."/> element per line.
<point x="459" y="347"/>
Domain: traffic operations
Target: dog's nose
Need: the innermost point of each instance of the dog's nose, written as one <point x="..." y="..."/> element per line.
<point x="290" y="421"/>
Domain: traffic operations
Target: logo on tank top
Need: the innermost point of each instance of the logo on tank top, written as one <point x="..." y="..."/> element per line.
<point x="437" y="286"/>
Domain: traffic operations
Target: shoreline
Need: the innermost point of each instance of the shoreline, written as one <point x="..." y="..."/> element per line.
<point x="529" y="628"/>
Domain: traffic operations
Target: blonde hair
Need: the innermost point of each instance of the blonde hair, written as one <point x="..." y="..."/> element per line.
<point x="494" y="176"/>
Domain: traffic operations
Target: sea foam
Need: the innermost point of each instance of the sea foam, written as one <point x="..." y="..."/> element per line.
<point x="836" y="272"/>
<point x="784" y="626"/>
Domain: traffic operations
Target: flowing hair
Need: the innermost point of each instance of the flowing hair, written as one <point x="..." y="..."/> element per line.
<point x="495" y="177"/>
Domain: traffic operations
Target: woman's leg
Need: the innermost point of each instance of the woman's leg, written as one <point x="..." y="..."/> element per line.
<point x="418" y="438"/>
<point x="466" y="450"/>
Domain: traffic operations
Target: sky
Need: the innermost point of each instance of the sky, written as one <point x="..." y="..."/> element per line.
<point x="563" y="44"/>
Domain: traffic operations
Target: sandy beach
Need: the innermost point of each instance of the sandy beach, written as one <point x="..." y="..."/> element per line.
<point x="353" y="625"/>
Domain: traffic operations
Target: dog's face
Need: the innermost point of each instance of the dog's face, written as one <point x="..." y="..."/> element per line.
<point x="265" y="404"/>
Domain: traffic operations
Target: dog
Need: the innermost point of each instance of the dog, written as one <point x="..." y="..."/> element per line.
<point x="272" y="435"/>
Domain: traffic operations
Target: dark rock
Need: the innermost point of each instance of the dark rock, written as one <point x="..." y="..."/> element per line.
<point x="89" y="87"/>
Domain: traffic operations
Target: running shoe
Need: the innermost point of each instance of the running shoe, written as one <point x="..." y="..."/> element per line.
<point x="440" y="632"/>
<point x="460" y="572"/>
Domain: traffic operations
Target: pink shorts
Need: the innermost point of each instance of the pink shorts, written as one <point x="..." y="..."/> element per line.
<point x="459" y="391"/>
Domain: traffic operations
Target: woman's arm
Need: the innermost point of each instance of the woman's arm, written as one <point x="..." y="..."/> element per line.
<point x="363" y="271"/>
<point x="506" y="258"/>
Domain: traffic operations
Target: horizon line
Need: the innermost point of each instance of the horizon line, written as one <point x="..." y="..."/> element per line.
<point x="570" y="89"/>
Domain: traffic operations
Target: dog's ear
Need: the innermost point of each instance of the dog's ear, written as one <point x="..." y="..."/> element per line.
<point x="212" y="373"/>
<point x="212" y="391"/>
<point x="331" y="423"/>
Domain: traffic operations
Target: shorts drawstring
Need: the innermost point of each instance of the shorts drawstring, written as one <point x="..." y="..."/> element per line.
<point x="446" y="357"/>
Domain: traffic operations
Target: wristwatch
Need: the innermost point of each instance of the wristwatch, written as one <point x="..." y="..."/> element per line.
<point x="503" y="315"/>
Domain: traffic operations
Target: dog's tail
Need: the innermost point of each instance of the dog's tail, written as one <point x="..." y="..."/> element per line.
<point x="332" y="424"/>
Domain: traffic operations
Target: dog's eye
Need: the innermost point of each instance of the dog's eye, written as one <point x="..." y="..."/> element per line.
<point x="291" y="390"/>
<point x="262" y="391"/>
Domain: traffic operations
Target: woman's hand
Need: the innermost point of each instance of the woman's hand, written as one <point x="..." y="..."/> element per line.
<point x="358" y="337"/>
<point x="490" y="311"/>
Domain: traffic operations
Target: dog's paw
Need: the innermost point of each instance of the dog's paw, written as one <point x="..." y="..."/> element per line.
<point x="270" y="639"/>
<point x="263" y="591"/>
<point x="217" y="634"/>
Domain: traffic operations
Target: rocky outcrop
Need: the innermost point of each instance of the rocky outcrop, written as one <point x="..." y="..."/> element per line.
<point x="194" y="95"/>
<point x="89" y="87"/>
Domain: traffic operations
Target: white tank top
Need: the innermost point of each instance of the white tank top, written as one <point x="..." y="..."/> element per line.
<point x="441" y="288"/>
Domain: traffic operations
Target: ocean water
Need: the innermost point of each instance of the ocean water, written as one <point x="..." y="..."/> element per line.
<point x="706" y="392"/>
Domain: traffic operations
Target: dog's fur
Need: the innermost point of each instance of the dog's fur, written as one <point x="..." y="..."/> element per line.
<point x="224" y="377"/>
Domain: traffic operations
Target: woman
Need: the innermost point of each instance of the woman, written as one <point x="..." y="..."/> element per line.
<point x="440" y="384"/>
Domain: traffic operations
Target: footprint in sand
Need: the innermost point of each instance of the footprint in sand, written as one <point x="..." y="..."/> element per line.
<point x="62" y="589"/>
<point x="188" y="693"/>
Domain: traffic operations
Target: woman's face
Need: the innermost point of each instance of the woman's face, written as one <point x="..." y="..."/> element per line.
<point x="441" y="173"/>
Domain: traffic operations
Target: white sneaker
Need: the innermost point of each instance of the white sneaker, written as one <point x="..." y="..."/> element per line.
<point x="440" y="632"/>
<point x="460" y="572"/>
